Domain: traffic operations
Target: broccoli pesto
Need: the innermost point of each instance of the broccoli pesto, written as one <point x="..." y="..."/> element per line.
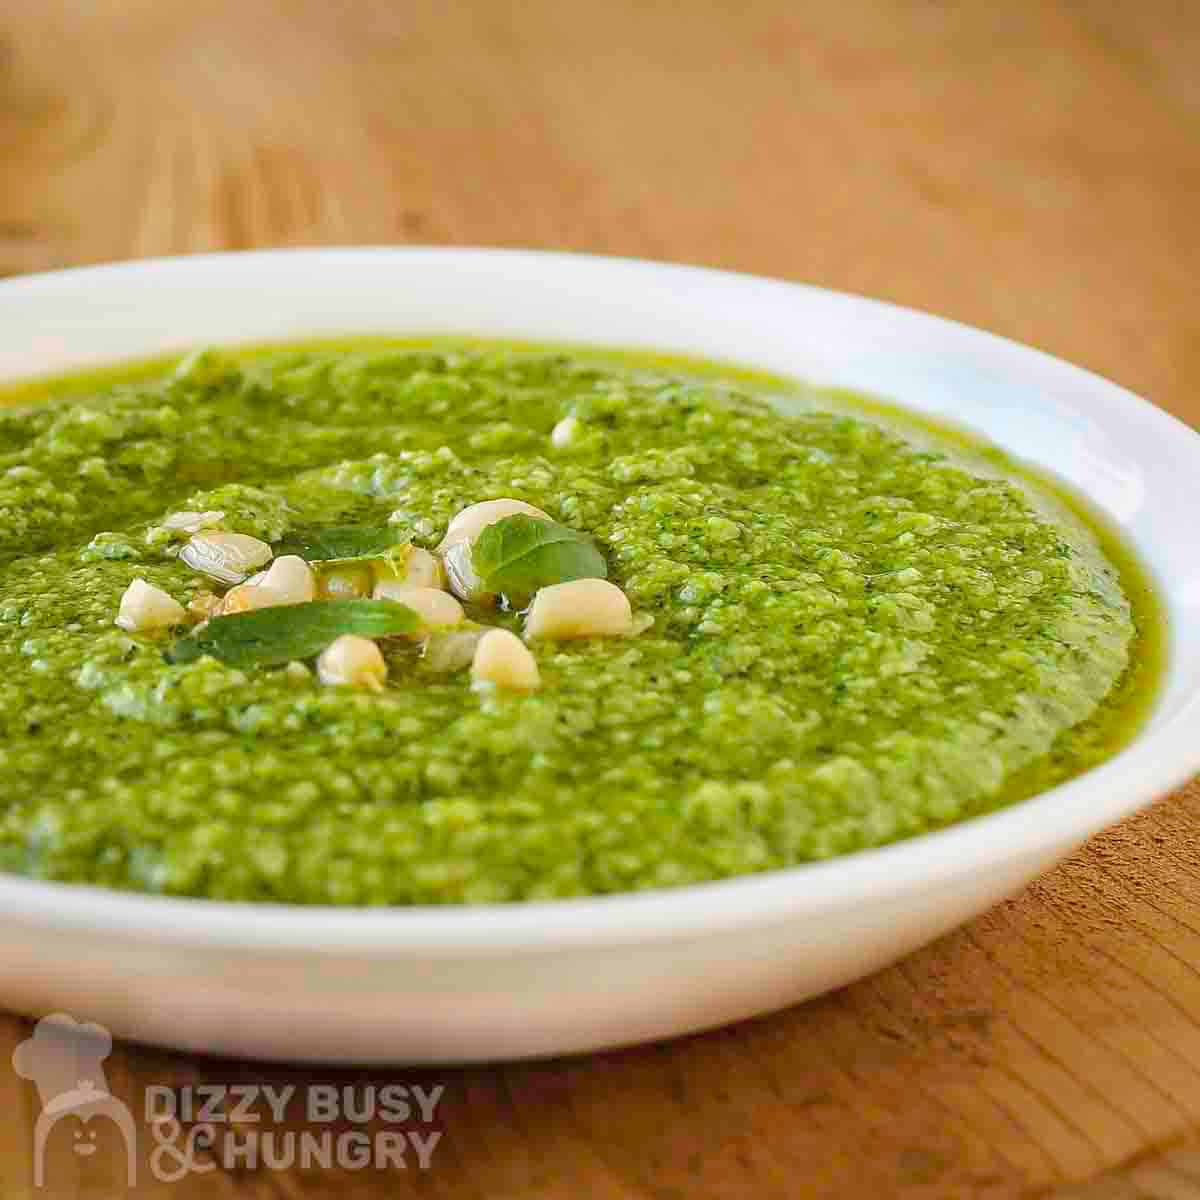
<point x="718" y="624"/>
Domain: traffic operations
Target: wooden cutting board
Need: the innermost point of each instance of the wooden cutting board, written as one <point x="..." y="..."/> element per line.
<point x="1028" y="167"/>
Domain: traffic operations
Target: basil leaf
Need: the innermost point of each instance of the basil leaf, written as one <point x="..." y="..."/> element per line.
<point x="339" y="543"/>
<point x="267" y="637"/>
<point x="519" y="554"/>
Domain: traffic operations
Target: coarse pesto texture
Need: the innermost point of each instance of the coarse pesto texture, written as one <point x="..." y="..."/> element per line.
<point x="856" y="638"/>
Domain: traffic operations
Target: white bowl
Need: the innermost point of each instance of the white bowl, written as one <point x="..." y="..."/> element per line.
<point x="508" y="981"/>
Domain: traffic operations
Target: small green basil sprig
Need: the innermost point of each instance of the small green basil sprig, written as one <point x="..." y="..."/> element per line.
<point x="517" y="555"/>
<point x="267" y="637"/>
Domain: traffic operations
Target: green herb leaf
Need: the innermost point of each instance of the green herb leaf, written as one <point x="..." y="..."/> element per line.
<point x="516" y="556"/>
<point x="269" y="636"/>
<point x="341" y="543"/>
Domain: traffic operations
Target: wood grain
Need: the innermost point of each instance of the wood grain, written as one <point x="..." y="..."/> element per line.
<point x="1031" y="168"/>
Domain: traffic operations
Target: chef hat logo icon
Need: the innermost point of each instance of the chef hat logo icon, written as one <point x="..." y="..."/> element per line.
<point x="65" y="1060"/>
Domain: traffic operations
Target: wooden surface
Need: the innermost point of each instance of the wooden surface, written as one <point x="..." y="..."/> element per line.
<point x="1030" y="167"/>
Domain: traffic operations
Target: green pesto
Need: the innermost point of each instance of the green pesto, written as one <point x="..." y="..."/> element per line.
<point x="865" y="627"/>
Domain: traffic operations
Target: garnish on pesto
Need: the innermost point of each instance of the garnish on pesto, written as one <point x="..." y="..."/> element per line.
<point x="342" y="543"/>
<point x="519" y="554"/>
<point x="271" y="636"/>
<point x="765" y="626"/>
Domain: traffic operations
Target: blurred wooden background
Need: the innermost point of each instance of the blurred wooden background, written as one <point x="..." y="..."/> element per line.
<point x="1030" y="167"/>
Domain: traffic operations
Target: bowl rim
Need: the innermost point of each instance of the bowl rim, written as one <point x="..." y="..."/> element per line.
<point x="1159" y="758"/>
